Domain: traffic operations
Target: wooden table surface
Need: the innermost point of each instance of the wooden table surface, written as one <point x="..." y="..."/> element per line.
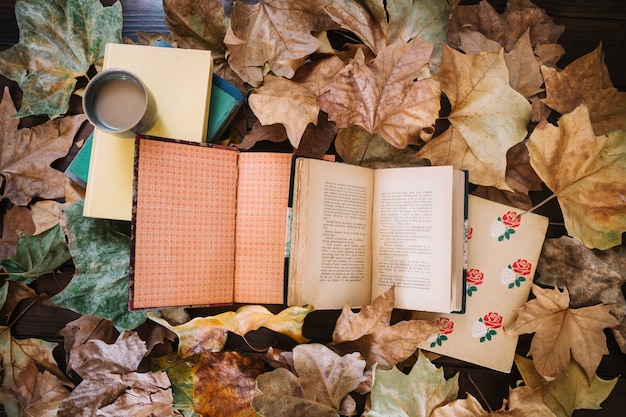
<point x="587" y="24"/>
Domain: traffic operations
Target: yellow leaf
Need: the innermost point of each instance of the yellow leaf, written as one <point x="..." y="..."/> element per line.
<point x="208" y="334"/>
<point x="570" y="391"/>
<point x="487" y="117"/>
<point x="588" y="175"/>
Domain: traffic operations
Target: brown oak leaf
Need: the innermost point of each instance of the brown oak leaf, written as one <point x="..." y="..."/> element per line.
<point x="586" y="172"/>
<point x="585" y="81"/>
<point x="391" y="96"/>
<point x="561" y="331"/>
<point x="522" y="402"/>
<point x="487" y="117"/>
<point x="27" y="153"/>
<point x="369" y="332"/>
<point x="293" y="102"/>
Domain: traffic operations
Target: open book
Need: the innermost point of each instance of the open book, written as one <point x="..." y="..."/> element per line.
<point x="356" y="231"/>
<point x="209" y="225"/>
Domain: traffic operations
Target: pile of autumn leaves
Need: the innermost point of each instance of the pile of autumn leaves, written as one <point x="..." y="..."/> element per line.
<point x="379" y="101"/>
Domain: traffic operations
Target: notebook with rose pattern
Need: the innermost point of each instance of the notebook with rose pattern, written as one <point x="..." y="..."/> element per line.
<point x="503" y="250"/>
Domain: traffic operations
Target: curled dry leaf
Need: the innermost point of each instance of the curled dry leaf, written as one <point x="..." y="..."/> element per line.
<point x="110" y="386"/>
<point x="320" y="381"/>
<point x="415" y="394"/>
<point x="208" y="334"/>
<point x="393" y="96"/>
<point x="586" y="172"/>
<point x="369" y="332"/>
<point x="487" y="118"/>
<point x="26" y="154"/>
<point x="569" y="391"/>
<point x="83" y="329"/>
<point x="562" y="332"/>
<point x="523" y="401"/>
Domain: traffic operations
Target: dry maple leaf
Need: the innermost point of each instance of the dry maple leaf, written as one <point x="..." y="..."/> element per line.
<point x="506" y="28"/>
<point x="111" y="386"/>
<point x="273" y="33"/>
<point x="39" y="393"/>
<point x="369" y="332"/>
<point x="587" y="174"/>
<point x="83" y="329"/>
<point x="389" y="96"/>
<point x="224" y="383"/>
<point x="561" y="331"/>
<point x="522" y="402"/>
<point x="293" y="103"/>
<point x="379" y="24"/>
<point x="585" y="81"/>
<point x="320" y="381"/>
<point x="487" y="117"/>
<point x="27" y="153"/>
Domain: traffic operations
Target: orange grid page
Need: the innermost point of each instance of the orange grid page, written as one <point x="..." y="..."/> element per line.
<point x="263" y="197"/>
<point x="184" y="225"/>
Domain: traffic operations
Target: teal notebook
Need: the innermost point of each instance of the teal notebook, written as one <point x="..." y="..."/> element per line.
<point x="226" y="100"/>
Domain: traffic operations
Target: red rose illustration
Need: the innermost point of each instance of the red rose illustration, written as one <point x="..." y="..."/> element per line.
<point x="493" y="320"/>
<point x="470" y="232"/>
<point x="474" y="276"/>
<point x="511" y="219"/>
<point x="522" y="267"/>
<point x="448" y="327"/>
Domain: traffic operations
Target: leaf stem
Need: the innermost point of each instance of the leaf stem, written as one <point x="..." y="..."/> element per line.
<point x="32" y="303"/>
<point x="480" y="393"/>
<point x="536" y="206"/>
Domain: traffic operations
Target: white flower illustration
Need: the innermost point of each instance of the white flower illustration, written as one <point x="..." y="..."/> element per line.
<point x="479" y="329"/>
<point x="497" y="228"/>
<point x="507" y="276"/>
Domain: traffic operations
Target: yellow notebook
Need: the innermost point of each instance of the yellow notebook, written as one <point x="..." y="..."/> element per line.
<point x="180" y="80"/>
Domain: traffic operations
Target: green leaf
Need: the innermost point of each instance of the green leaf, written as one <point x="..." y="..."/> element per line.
<point x="395" y="394"/>
<point x="59" y="41"/>
<point x="569" y="391"/>
<point x="37" y="255"/>
<point x="181" y="374"/>
<point x="101" y="253"/>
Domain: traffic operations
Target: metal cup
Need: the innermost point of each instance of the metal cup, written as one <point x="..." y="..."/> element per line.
<point x="118" y="102"/>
